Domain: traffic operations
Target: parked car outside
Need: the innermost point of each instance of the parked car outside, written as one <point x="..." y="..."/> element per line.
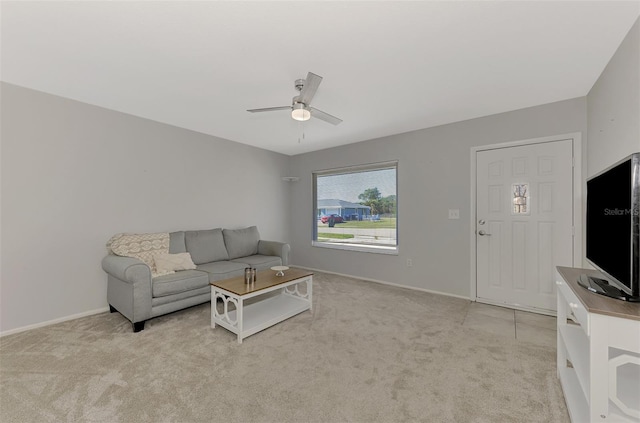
<point x="336" y="218"/>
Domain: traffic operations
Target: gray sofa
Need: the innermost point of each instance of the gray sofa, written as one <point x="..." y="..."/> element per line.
<point x="218" y="254"/>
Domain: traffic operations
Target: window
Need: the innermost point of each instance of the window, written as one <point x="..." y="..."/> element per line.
<point x="356" y="208"/>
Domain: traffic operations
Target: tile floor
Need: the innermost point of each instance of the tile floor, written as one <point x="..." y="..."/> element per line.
<point x="510" y="323"/>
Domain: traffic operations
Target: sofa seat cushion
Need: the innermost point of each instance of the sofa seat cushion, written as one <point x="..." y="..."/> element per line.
<point x="169" y="299"/>
<point x="181" y="281"/>
<point x="220" y="270"/>
<point x="206" y="246"/>
<point x="241" y="242"/>
<point x="259" y="261"/>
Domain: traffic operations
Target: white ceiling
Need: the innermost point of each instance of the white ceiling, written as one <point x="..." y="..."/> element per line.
<point x="388" y="67"/>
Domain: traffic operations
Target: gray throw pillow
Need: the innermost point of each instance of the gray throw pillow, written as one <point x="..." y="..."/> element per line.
<point x="206" y="246"/>
<point x="241" y="242"/>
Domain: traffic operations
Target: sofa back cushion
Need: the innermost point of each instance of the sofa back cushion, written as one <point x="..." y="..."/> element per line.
<point x="206" y="246"/>
<point x="241" y="242"/>
<point x="176" y="243"/>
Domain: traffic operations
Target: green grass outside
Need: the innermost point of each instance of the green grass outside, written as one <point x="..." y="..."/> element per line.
<point x="334" y="236"/>
<point x="385" y="222"/>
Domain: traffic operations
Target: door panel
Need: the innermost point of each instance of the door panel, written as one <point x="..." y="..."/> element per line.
<point x="524" y="208"/>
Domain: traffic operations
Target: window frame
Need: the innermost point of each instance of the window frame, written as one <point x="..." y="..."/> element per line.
<point x="376" y="249"/>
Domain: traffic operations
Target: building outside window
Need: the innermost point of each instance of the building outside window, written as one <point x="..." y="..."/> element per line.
<point x="356" y="208"/>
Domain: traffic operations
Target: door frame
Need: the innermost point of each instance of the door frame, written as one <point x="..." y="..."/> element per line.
<point x="578" y="201"/>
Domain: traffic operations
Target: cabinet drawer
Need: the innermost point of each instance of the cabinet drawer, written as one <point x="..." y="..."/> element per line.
<point x="575" y="307"/>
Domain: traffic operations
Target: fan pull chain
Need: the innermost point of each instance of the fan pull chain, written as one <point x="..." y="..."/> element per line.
<point x="301" y="130"/>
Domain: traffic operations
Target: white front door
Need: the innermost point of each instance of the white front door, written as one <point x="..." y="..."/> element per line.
<point x="524" y="215"/>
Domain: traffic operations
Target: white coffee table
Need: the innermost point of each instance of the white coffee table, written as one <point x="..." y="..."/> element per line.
<point x="295" y="296"/>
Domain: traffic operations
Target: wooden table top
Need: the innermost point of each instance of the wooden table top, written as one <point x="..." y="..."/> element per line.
<point x="596" y="303"/>
<point x="264" y="279"/>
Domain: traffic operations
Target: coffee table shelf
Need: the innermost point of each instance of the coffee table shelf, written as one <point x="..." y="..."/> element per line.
<point x="264" y="311"/>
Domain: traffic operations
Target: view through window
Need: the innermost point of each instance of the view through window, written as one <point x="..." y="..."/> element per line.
<point x="356" y="208"/>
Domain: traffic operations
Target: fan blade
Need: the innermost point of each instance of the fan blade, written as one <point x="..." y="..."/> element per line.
<point x="269" y="109"/>
<point x="324" y="116"/>
<point x="310" y="87"/>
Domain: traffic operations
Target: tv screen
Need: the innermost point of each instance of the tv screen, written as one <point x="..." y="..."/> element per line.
<point x="612" y="209"/>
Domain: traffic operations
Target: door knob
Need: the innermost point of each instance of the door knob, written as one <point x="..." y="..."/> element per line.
<point x="483" y="233"/>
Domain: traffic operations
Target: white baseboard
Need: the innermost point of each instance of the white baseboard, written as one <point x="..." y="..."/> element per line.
<point x="447" y="294"/>
<point x="54" y="321"/>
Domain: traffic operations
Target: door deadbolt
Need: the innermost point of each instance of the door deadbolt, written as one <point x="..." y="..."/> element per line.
<point x="481" y="222"/>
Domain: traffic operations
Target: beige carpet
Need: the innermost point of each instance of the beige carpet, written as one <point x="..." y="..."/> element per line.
<point x="367" y="353"/>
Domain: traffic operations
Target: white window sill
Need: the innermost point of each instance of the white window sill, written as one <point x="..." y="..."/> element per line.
<point x="364" y="248"/>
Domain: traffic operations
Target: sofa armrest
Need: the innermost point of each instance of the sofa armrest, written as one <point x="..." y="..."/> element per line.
<point x="275" y="248"/>
<point x="127" y="269"/>
<point x="128" y="287"/>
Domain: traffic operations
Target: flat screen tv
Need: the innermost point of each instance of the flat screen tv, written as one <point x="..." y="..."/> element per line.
<point x="613" y="230"/>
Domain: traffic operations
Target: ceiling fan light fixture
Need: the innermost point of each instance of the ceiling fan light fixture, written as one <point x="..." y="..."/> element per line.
<point x="300" y="113"/>
<point x="300" y="104"/>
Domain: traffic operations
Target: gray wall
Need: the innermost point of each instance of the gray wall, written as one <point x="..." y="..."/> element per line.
<point x="73" y="175"/>
<point x="613" y="107"/>
<point x="434" y="176"/>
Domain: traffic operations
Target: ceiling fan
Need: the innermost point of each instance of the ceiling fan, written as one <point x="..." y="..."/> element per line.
<point x="300" y="105"/>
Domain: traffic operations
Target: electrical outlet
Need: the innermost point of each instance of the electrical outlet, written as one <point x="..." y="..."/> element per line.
<point x="409" y="262"/>
<point x="454" y="213"/>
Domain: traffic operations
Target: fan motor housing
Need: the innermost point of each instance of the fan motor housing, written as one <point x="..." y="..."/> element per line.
<point x="299" y="84"/>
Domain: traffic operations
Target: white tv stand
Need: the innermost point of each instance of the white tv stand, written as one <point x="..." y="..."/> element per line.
<point x="598" y="352"/>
